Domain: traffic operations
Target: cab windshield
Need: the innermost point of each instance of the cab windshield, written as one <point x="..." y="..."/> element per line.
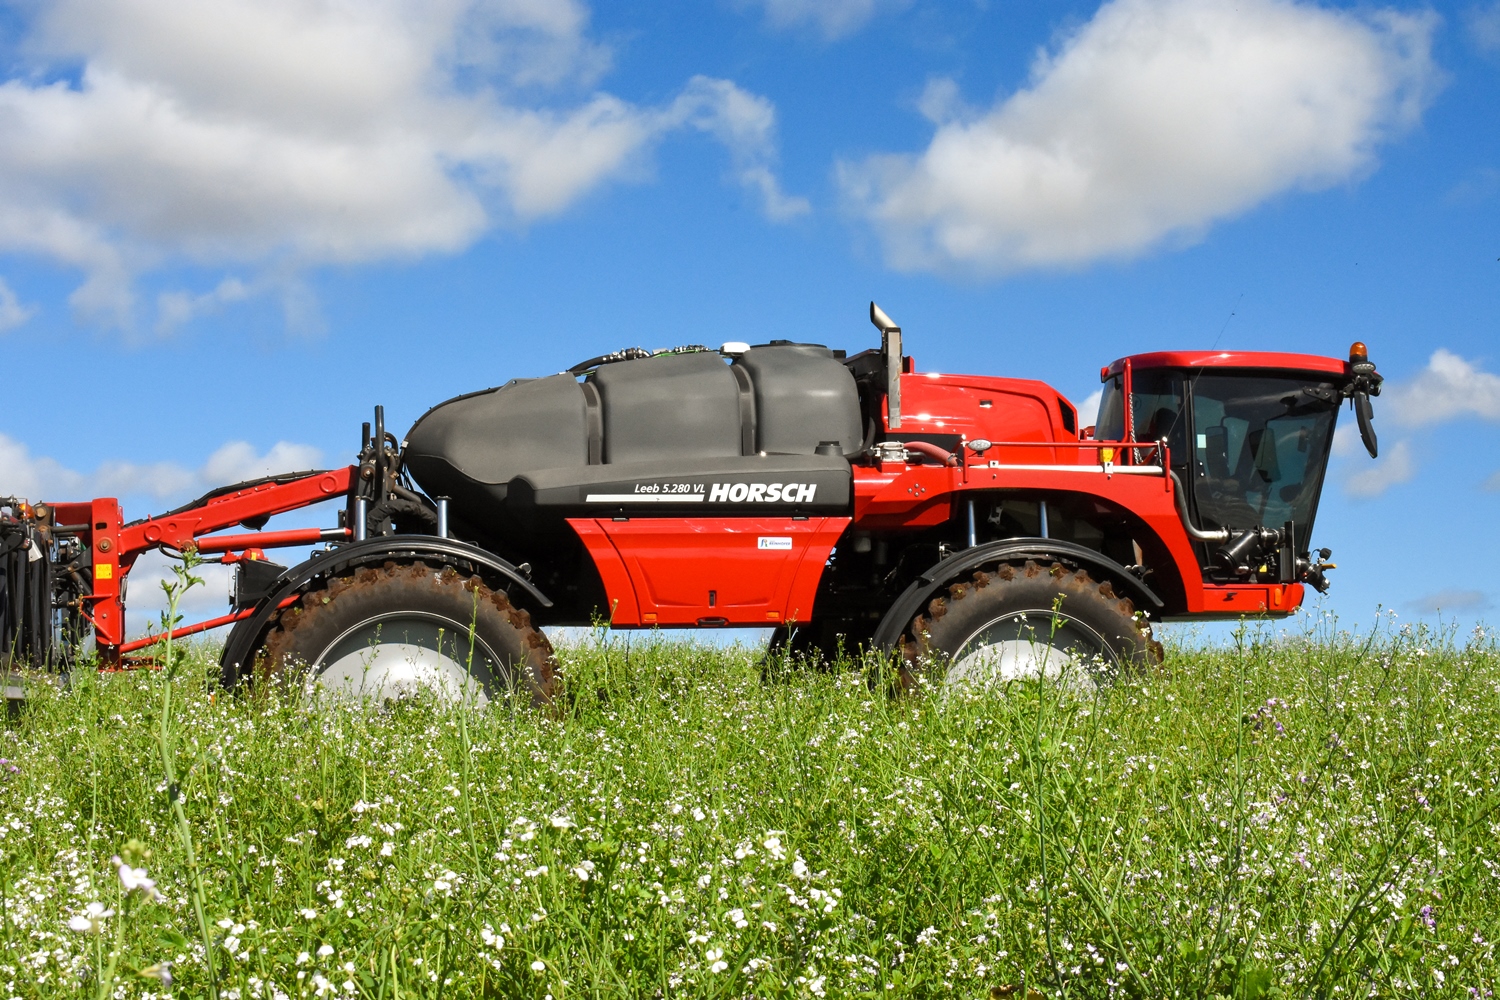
<point x="1252" y="448"/>
<point x="1260" y="446"/>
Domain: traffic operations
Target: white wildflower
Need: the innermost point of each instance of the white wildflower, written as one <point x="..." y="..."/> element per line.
<point x="539" y="966"/>
<point x="584" y="870"/>
<point x="325" y="950"/>
<point x="135" y="880"/>
<point x="91" y="920"/>
<point x="387" y="849"/>
<point x="715" y="957"/>
<point x="560" y="821"/>
<point x="161" y="972"/>
<point x="308" y="913"/>
<point x="772" y="844"/>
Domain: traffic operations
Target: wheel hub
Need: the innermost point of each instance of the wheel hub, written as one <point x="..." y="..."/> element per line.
<point x="1030" y="644"/>
<point x="402" y="655"/>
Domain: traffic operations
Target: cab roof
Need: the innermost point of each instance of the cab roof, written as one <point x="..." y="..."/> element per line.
<point x="1264" y="360"/>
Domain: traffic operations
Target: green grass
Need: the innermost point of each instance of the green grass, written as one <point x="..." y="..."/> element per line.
<point x="1296" y="816"/>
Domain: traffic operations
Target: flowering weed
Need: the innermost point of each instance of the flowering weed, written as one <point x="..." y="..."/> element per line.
<point x="1285" y="817"/>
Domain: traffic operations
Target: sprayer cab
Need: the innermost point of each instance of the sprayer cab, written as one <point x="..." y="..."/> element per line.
<point x="1248" y="436"/>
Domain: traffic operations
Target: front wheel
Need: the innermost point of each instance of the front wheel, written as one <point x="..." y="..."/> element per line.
<point x="398" y="631"/>
<point x="1027" y="621"/>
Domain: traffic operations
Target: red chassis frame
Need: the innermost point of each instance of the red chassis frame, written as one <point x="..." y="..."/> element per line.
<point x="635" y="557"/>
<point x="115" y="546"/>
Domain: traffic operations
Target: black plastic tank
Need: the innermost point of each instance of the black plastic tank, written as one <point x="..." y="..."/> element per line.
<point x="676" y="406"/>
<point x="803" y="397"/>
<point x="493" y="436"/>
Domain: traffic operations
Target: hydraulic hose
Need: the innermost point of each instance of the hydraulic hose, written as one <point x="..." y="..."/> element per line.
<point x="931" y="451"/>
<point x="1179" y="494"/>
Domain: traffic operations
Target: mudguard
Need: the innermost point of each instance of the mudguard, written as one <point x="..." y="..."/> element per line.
<point x="244" y="640"/>
<point x="960" y="565"/>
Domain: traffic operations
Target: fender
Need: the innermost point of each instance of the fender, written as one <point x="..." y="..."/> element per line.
<point x="961" y="564"/>
<point x="245" y="637"/>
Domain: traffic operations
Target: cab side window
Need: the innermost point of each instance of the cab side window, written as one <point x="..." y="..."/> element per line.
<point x="1156" y="410"/>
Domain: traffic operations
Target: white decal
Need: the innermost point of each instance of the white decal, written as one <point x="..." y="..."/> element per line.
<point x="717" y="493"/>
<point x="765" y="542"/>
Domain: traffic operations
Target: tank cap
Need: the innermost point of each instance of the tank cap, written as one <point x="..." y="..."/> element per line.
<point x="734" y="348"/>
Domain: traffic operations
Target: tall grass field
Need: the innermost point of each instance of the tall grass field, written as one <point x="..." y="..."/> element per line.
<point x="1279" y="816"/>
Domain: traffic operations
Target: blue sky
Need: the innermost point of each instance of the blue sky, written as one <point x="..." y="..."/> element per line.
<point x="228" y="229"/>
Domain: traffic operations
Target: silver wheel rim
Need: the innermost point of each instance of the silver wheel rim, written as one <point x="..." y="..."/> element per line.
<point x="403" y="655"/>
<point x="1031" y="644"/>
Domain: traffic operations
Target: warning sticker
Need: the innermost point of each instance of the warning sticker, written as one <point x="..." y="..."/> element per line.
<point x="104" y="571"/>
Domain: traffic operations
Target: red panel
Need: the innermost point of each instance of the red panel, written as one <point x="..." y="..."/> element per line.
<point x="729" y="570"/>
<point x="623" y="609"/>
<point x="894" y="495"/>
<point x="1233" y="359"/>
<point x="1234" y="600"/>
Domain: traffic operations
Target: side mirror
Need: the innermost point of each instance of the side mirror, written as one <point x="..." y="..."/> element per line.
<point x="1365" y="414"/>
<point x="1366" y="383"/>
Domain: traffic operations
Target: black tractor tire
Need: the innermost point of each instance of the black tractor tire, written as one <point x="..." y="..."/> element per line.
<point x="1089" y="617"/>
<point x="472" y="629"/>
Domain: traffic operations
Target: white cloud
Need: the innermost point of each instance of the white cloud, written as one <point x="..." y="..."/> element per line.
<point x="1452" y="600"/>
<point x="238" y="461"/>
<point x="1149" y="123"/>
<point x="1483" y="23"/>
<point x="1088" y="410"/>
<point x="1346" y="441"/>
<point x="145" y="599"/>
<point x="746" y="124"/>
<point x="37" y="477"/>
<point x="832" y="18"/>
<point x="279" y="134"/>
<point x="173" y="309"/>
<point x="1393" y="468"/>
<point x="1448" y="388"/>
<point x="1478" y="186"/>
<point x="12" y="312"/>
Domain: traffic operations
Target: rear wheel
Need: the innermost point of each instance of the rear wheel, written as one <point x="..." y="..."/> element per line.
<point x="1027" y="621"/>
<point x="403" y="630"/>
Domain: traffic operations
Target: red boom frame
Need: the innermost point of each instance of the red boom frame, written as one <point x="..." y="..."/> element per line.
<point x="115" y="546"/>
